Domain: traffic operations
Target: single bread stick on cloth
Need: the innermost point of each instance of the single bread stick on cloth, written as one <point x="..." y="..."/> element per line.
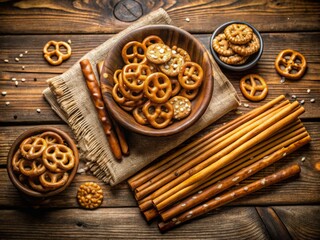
<point x="104" y="117"/>
<point x="202" y="169"/>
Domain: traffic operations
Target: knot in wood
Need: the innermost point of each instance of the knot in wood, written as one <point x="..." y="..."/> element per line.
<point x="128" y="10"/>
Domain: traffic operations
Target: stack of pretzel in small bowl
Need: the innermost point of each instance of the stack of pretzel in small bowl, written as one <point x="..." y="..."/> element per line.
<point x="159" y="80"/>
<point x="42" y="162"/>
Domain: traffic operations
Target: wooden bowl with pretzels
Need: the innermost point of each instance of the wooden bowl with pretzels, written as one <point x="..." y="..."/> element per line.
<point x="42" y="162"/>
<point x="169" y="62"/>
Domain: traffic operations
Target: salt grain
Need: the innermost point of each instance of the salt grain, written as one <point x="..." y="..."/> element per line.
<point x="4" y="93"/>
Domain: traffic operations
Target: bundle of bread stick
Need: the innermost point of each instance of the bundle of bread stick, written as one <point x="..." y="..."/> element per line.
<point x="198" y="177"/>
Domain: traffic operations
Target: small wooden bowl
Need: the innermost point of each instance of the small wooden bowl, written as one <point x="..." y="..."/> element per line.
<point x="252" y="60"/>
<point x="15" y="146"/>
<point x="171" y="36"/>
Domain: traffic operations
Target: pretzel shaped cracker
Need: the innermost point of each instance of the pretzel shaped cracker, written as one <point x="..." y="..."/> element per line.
<point x="33" y="147"/>
<point x="238" y="33"/>
<point x="16" y="161"/>
<point x="116" y="76"/>
<point x="58" y="158"/>
<point x="139" y="116"/>
<point x="157" y="87"/>
<point x="158" y="115"/>
<point x="173" y="66"/>
<point x="158" y="53"/>
<point x="222" y="46"/>
<point x="152" y="39"/>
<point x="134" y="52"/>
<point x="247" y="49"/>
<point x="32" y="168"/>
<point x="190" y="76"/>
<point x="190" y="94"/>
<point x="52" y="138"/>
<point x="251" y="90"/>
<point x="134" y="75"/>
<point x="234" y="59"/>
<point x="127" y="92"/>
<point x="175" y="85"/>
<point x="53" y="180"/>
<point x="36" y="185"/>
<point x="56" y="52"/>
<point x="291" y="64"/>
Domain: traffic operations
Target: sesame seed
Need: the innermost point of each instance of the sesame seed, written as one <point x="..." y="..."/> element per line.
<point x="302" y="102"/>
<point x="205" y="205"/>
<point x="69" y="41"/>
<point x="200" y="192"/>
<point x="294" y="97"/>
<point x="7" y="103"/>
<point x="217" y="198"/>
<point x="194" y="197"/>
<point x="308" y="90"/>
<point x="245" y="188"/>
<point x="178" y="222"/>
<point x="284" y="154"/>
<point x="183" y="205"/>
<point x="13" y="79"/>
<point x="17" y="59"/>
<point x="16" y="83"/>
<point x="282" y="80"/>
<point x="219" y="186"/>
<point x="303" y="159"/>
<point x="174" y="219"/>
<point x="23" y="67"/>
<point x="312" y="100"/>
<point x="235" y="179"/>
<point x="250" y="170"/>
<point x="6" y="60"/>
<point x="246" y="105"/>
<point x="4" y="93"/>
<point x="187" y="19"/>
<point x="174" y="51"/>
<point x="38" y="110"/>
<point x="190" y="212"/>
<point x="263" y="181"/>
<point x="23" y="79"/>
<point x="26" y="51"/>
<point x="21" y="55"/>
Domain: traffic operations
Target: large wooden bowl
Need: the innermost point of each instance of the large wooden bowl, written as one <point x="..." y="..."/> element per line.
<point x="171" y="36"/>
<point x="24" y="188"/>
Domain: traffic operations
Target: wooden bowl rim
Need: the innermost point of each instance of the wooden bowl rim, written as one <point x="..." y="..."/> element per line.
<point x="14" y="148"/>
<point x="149" y="131"/>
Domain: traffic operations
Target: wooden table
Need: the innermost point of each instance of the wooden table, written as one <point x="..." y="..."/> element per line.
<point x="283" y="211"/>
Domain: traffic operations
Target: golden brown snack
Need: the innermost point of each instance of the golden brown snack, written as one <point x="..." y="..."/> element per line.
<point x="157" y="88"/>
<point x="134" y="75"/>
<point x="33" y="147"/>
<point x="238" y="33"/>
<point x="48" y="54"/>
<point x="52" y="138"/>
<point x="191" y="75"/>
<point x="222" y="46"/>
<point x="190" y="94"/>
<point x="290" y="64"/>
<point x="58" y="158"/>
<point x="53" y="180"/>
<point x="181" y="107"/>
<point x="235" y="59"/>
<point x="158" y="53"/>
<point x="90" y="195"/>
<point x="253" y="87"/>
<point x="182" y="52"/>
<point x="32" y="168"/>
<point x="16" y="161"/>
<point x="139" y="116"/>
<point x="247" y="49"/>
<point x="173" y="66"/>
<point x="152" y="39"/>
<point x="134" y="52"/>
<point x="158" y="115"/>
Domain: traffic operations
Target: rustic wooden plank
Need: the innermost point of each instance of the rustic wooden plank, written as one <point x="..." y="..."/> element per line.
<point x="27" y="97"/>
<point x="124" y="223"/>
<point x="305" y="187"/>
<point x="302" y="222"/>
<point x="112" y="16"/>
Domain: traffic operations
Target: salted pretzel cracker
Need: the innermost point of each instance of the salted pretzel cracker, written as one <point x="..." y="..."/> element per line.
<point x="90" y="195"/>
<point x="134" y="52"/>
<point x="52" y="138"/>
<point x="253" y="87"/>
<point x="238" y="33"/>
<point x="157" y="87"/>
<point x="158" y="115"/>
<point x="235" y="59"/>
<point x="53" y="180"/>
<point x="58" y="158"/>
<point x="158" y="53"/>
<point x="152" y="39"/>
<point x="48" y="54"/>
<point x="173" y="66"/>
<point x="134" y="75"/>
<point x="33" y="147"/>
<point x="181" y="52"/>
<point x="32" y="168"/>
<point x="247" y="49"/>
<point x="190" y="94"/>
<point x="127" y="92"/>
<point x="222" y="46"/>
<point x="291" y="64"/>
<point x="181" y="107"/>
<point x="190" y="76"/>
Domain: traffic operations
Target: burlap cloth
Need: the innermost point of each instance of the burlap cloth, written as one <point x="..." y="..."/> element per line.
<point x="70" y="99"/>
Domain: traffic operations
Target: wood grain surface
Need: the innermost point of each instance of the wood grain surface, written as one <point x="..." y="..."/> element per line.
<point x="288" y="210"/>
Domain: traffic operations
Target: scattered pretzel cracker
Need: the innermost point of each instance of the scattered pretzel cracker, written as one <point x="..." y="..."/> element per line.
<point x="90" y="195"/>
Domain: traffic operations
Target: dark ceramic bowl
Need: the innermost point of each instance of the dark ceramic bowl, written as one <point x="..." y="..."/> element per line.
<point x="24" y="188"/>
<point x="171" y="36"/>
<point x="252" y="60"/>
